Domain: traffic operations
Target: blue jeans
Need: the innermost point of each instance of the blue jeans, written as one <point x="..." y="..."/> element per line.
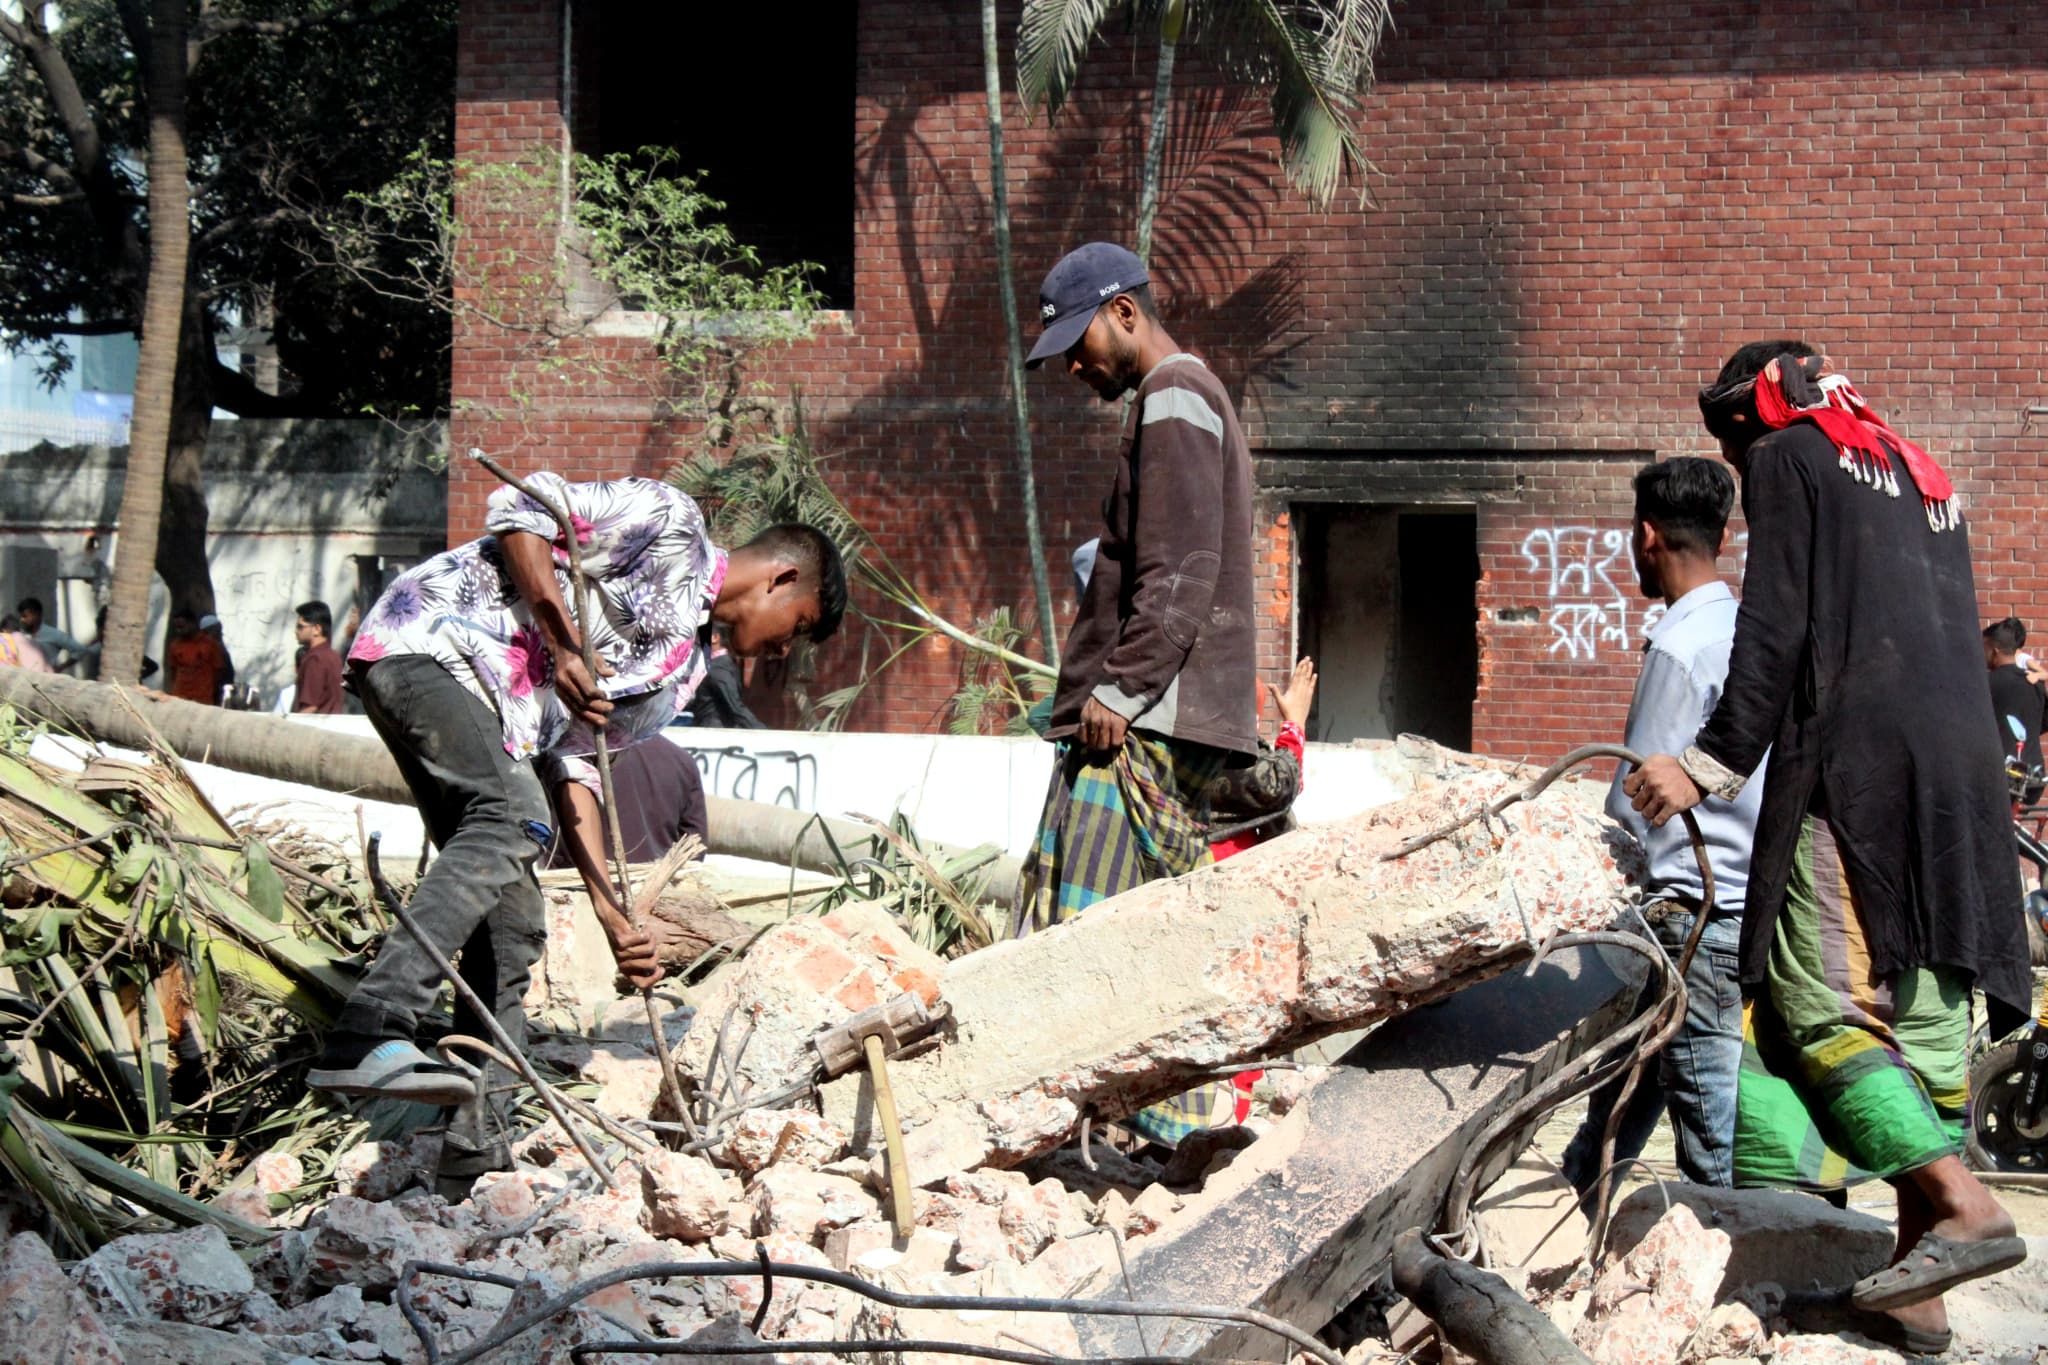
<point x="1696" y="1074"/>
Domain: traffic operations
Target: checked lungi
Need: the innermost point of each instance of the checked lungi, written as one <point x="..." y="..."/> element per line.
<point x="1109" y="826"/>
<point x="1845" y="1076"/>
<point x="1112" y="824"/>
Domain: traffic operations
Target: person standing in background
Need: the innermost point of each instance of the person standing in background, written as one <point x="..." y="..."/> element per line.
<point x="196" y="660"/>
<point x="317" y="676"/>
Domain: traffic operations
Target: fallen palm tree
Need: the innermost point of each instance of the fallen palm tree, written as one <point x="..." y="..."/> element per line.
<point x="271" y="746"/>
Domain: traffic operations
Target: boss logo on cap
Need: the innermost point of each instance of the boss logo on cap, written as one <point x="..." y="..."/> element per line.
<point x="1046" y="310"/>
<point x="1112" y="287"/>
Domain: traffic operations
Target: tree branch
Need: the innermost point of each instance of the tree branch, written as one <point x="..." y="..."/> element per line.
<point x="228" y="228"/>
<point x="98" y="327"/>
<point x="36" y="164"/>
<point x="89" y="172"/>
<point x="238" y="393"/>
<point x="214" y="25"/>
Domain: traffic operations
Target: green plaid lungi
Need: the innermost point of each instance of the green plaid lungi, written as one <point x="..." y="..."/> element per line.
<point x="1846" y="1076"/>
<point x="1112" y="824"/>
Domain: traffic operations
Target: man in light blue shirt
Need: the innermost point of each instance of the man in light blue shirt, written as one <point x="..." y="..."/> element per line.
<point x="1681" y="523"/>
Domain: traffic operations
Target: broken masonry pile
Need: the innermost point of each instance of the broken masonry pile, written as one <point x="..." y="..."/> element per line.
<point x="1164" y="987"/>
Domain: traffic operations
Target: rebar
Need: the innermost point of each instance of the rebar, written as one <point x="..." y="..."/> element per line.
<point x="385" y="893"/>
<point x="977" y="1303"/>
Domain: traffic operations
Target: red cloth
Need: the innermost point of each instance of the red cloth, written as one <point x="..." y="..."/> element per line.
<point x="1290" y="740"/>
<point x="319" y="682"/>
<point x="196" y="663"/>
<point x="1852" y="424"/>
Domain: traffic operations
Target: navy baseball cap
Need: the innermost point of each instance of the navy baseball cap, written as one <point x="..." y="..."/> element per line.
<point x="1086" y="278"/>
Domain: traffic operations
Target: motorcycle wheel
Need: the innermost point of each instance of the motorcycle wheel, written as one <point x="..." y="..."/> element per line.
<point x="1995" y="1141"/>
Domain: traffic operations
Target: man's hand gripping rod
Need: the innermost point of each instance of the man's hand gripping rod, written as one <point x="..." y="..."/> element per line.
<point x="623" y="887"/>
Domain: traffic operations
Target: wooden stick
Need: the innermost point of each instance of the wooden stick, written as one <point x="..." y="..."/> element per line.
<point x="892" y="1133"/>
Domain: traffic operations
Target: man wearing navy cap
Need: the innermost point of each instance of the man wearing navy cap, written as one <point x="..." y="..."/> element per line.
<point x="1156" y="691"/>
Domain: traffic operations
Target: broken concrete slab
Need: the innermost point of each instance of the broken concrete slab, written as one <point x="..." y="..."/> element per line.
<point x="192" y="1276"/>
<point x="796" y="979"/>
<point x="44" y="1318"/>
<point x="1301" y="937"/>
<point x="1648" y="1304"/>
<point x="1304" y="1220"/>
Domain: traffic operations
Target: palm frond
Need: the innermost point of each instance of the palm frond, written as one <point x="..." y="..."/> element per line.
<point x="1317" y="57"/>
<point x="1052" y="37"/>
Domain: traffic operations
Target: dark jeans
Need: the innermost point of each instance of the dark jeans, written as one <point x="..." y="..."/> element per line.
<point x="1695" y="1077"/>
<point x="479" y="898"/>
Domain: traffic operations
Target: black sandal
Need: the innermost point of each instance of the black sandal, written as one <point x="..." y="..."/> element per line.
<point x="1935" y="1265"/>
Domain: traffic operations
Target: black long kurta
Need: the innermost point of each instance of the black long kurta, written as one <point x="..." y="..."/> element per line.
<point x="1857" y="662"/>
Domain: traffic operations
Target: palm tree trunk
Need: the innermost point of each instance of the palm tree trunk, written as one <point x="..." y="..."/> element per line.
<point x="1155" y="138"/>
<point x="359" y="767"/>
<point x="156" y="368"/>
<point x="992" y="68"/>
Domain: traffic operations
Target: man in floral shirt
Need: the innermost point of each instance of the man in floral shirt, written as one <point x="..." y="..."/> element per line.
<point x="470" y="665"/>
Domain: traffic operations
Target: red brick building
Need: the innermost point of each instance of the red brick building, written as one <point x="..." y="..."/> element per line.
<point x="1581" y="208"/>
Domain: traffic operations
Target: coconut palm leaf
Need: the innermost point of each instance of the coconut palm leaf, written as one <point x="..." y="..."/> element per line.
<point x="1315" y="56"/>
<point x="1052" y="37"/>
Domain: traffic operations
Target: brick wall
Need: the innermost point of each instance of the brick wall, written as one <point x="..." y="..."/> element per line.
<point x="1581" y="207"/>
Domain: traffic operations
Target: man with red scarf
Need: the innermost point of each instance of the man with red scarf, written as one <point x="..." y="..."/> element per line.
<point x="1881" y="887"/>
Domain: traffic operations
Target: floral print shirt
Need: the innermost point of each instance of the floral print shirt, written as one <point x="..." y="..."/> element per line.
<point x="654" y="576"/>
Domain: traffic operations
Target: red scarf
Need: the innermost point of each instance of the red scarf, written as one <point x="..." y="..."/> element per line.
<point x="1806" y="391"/>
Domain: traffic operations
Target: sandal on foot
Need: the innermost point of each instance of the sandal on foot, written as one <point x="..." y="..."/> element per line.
<point x="1829" y="1312"/>
<point x="1935" y="1265"/>
<point x="396" y="1069"/>
<point x="1888" y="1331"/>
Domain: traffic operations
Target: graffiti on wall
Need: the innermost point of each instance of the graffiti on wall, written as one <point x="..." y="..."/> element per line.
<point x="782" y="777"/>
<point x="1587" y="575"/>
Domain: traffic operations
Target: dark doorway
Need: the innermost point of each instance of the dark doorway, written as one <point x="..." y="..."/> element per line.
<point x="1389" y="610"/>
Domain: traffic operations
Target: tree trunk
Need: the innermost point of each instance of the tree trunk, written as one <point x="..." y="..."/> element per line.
<point x="357" y="766"/>
<point x="181" y="540"/>
<point x="1155" y="138"/>
<point x="1020" y="410"/>
<point x="156" y="368"/>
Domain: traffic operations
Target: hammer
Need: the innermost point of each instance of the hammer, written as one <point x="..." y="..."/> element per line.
<point x="873" y="1035"/>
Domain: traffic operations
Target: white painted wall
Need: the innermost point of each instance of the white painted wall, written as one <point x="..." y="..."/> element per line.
<point x="289" y="504"/>
<point x="960" y="790"/>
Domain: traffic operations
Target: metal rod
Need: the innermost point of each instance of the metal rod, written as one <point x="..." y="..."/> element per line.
<point x="511" y="1327"/>
<point x="374" y="865"/>
<point x="455" y="1042"/>
<point x="863" y="1346"/>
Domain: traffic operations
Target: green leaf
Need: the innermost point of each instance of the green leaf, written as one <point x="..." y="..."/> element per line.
<point x="206" y="998"/>
<point x="266" y="888"/>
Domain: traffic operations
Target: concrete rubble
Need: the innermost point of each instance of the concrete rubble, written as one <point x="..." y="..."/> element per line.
<point x="1705" y="1282"/>
<point x="1126" y="1006"/>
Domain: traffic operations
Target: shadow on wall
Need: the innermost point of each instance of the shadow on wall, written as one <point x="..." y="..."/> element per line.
<point x="1222" y="292"/>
